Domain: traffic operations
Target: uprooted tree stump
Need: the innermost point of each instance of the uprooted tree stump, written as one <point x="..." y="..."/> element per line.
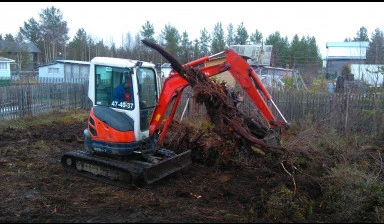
<point x="228" y="121"/>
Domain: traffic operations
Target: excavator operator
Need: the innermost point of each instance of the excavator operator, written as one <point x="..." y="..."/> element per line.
<point x="124" y="92"/>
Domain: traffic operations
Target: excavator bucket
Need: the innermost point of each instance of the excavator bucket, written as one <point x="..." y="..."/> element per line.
<point x="272" y="139"/>
<point x="167" y="167"/>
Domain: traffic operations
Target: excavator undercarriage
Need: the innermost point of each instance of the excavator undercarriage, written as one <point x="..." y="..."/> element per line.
<point x="123" y="171"/>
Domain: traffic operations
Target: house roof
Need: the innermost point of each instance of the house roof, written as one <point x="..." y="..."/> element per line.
<point x="11" y="46"/>
<point x="6" y="60"/>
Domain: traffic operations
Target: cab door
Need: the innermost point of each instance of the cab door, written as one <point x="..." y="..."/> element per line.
<point x="148" y="95"/>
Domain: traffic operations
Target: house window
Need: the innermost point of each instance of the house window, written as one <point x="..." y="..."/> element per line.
<point x="53" y="71"/>
<point x="3" y="66"/>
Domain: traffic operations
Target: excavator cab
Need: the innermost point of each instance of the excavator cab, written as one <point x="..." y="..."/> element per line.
<point x="123" y="93"/>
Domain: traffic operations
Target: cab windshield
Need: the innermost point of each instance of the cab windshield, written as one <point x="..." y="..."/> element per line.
<point x="114" y="87"/>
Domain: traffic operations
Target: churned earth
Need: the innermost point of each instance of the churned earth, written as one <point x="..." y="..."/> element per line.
<point x="223" y="184"/>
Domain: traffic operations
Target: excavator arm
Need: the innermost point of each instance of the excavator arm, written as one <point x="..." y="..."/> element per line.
<point x="241" y="71"/>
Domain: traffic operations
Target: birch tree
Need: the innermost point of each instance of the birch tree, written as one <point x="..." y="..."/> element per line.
<point x="54" y="32"/>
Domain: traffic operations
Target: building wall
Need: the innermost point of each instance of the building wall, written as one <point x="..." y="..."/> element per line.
<point x="76" y="71"/>
<point x="165" y="72"/>
<point x="52" y="71"/>
<point x="335" y="66"/>
<point x="65" y="70"/>
<point x="368" y="73"/>
<point x="347" y="49"/>
<point x="341" y="53"/>
<point x="5" y="73"/>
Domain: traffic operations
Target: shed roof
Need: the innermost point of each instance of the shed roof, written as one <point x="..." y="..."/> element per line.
<point x="74" y="62"/>
<point x="65" y="62"/>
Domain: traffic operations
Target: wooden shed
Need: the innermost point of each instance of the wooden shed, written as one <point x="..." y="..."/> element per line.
<point x="66" y="69"/>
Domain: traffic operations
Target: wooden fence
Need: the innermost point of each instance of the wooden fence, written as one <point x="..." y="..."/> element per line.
<point x="32" y="99"/>
<point x="341" y="112"/>
<point x="347" y="112"/>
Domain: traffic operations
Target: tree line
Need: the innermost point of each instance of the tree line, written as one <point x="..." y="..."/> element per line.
<point x="50" y="35"/>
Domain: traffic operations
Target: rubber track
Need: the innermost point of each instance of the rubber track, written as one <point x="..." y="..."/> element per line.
<point x="101" y="161"/>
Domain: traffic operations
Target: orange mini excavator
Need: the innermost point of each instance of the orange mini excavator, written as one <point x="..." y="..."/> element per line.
<point x="121" y="146"/>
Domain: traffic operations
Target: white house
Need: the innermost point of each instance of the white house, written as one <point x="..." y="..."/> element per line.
<point x="342" y="53"/>
<point x="67" y="69"/>
<point x="368" y="73"/>
<point x="5" y="68"/>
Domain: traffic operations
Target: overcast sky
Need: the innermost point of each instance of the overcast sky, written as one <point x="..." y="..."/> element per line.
<point x="326" y="21"/>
